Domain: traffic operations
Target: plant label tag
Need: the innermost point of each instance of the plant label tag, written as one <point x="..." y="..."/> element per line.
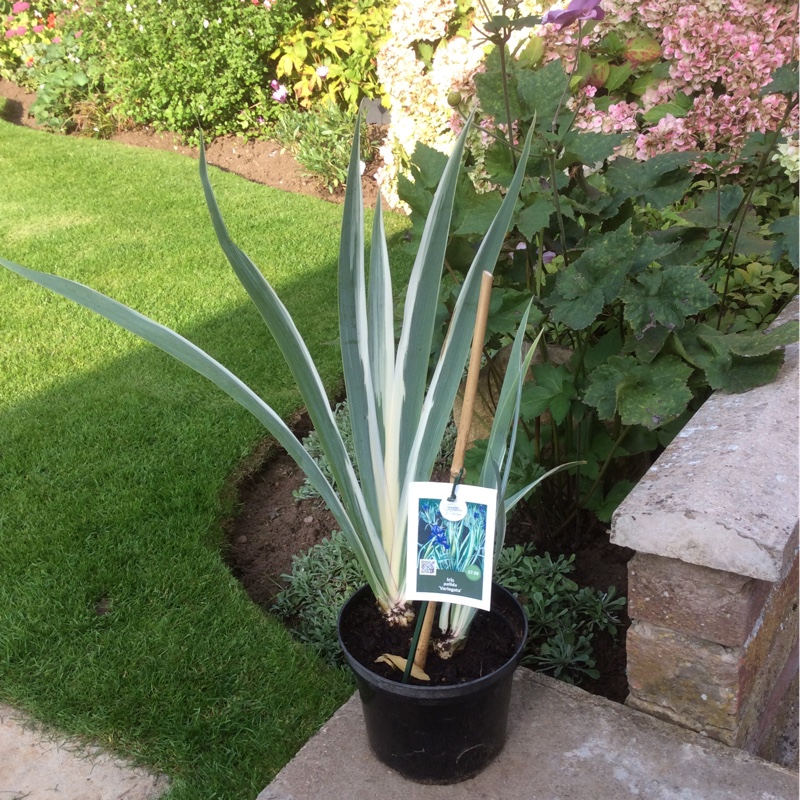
<point x="450" y="555"/>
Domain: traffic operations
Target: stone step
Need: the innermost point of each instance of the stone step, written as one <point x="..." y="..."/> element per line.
<point x="563" y="743"/>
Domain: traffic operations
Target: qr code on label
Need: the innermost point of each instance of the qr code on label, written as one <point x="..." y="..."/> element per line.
<point x="427" y="566"/>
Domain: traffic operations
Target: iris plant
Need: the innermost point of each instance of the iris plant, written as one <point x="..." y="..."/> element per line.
<point x="398" y="415"/>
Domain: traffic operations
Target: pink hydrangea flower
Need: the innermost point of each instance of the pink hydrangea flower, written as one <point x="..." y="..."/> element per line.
<point x="19" y="7"/>
<point x="38" y="28"/>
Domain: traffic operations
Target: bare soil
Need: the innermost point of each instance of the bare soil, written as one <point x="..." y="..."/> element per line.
<point x="264" y="162"/>
<point x="271" y="526"/>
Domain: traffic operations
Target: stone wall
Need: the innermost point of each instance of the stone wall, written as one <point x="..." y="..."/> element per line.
<point x="713" y="587"/>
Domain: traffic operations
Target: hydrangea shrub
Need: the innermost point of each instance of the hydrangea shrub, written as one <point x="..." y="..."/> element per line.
<point x="675" y="76"/>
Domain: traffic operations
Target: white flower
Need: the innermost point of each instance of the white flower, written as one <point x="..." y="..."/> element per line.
<point x="788" y="156"/>
<point x="174" y="23"/>
<point x="205" y="23"/>
<point x="109" y="23"/>
<point x="128" y="8"/>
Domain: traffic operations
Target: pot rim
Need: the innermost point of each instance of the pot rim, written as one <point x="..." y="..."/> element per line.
<point x="438" y="692"/>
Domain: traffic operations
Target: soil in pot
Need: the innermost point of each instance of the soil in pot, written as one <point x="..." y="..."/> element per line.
<point x="367" y="636"/>
<point x="439" y="733"/>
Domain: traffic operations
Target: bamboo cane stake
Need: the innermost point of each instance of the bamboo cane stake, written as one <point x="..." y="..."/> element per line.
<point x="473" y="374"/>
<point x="462" y="439"/>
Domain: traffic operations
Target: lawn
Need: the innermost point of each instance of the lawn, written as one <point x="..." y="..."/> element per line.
<point x="118" y="618"/>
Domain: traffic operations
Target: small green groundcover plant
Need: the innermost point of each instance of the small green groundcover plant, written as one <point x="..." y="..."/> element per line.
<point x="562" y="618"/>
<point x="320" y="141"/>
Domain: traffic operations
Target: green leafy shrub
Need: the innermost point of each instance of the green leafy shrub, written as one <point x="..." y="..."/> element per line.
<point x="179" y="63"/>
<point x="651" y="279"/>
<point x="333" y="54"/>
<point x="562" y="618"/>
<point x="319" y="140"/>
<point x="67" y="80"/>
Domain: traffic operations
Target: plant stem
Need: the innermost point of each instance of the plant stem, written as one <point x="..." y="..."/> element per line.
<point x="607" y="463"/>
<point x="600" y="476"/>
<point x="741" y="211"/>
<point x="556" y="203"/>
<point x="569" y="80"/>
<point x="506" y="101"/>
<point x="421" y="614"/>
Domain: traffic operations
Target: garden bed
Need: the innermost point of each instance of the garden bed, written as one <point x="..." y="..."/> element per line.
<point x="264" y="162"/>
<point x="272" y="526"/>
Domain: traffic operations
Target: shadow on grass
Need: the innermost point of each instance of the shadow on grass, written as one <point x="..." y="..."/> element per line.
<point x="119" y="620"/>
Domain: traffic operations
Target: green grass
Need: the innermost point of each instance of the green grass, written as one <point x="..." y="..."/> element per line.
<point x="118" y="618"/>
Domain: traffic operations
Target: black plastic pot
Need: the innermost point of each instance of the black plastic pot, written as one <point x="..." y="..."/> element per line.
<point x="439" y="734"/>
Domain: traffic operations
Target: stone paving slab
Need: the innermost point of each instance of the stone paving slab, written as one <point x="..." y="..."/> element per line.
<point x="564" y="744"/>
<point x="35" y="765"/>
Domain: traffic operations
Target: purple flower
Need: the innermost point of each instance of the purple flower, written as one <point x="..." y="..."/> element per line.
<point x="548" y="256"/>
<point x="439" y="536"/>
<point x="279" y="93"/>
<point x="577" y="9"/>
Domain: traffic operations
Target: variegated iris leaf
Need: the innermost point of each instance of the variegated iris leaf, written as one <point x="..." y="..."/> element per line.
<point x="398" y="416"/>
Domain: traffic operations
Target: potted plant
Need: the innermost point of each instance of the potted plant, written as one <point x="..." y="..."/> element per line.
<point x="399" y="416"/>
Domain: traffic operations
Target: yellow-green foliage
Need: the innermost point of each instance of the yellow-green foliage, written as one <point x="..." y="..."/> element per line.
<point x="334" y="54"/>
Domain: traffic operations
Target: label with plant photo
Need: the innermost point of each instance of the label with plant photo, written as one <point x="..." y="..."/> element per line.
<point x="450" y="533"/>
